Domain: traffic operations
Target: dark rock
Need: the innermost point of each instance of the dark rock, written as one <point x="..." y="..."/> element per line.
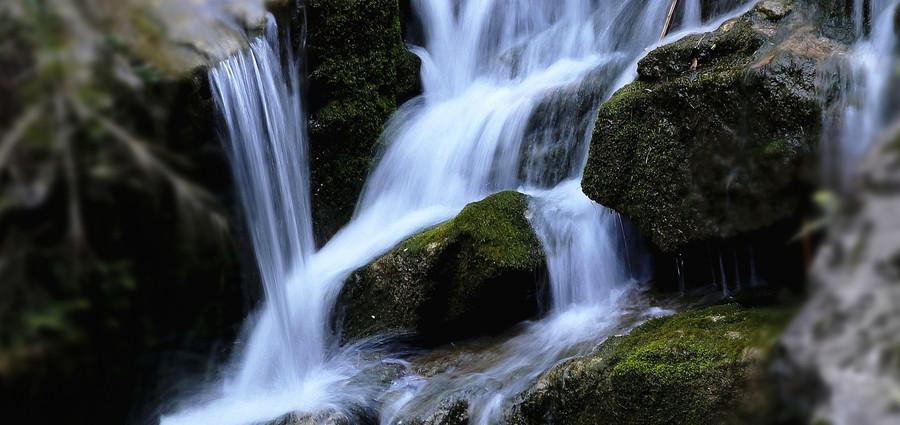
<point x="710" y="141"/>
<point x="359" y="72"/>
<point x="478" y="273"/>
<point x="694" y="367"/>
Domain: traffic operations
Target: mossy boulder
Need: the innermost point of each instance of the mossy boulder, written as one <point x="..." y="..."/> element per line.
<point x="359" y="72"/>
<point x="695" y="367"/>
<point x="477" y="273"/>
<point x="710" y="141"/>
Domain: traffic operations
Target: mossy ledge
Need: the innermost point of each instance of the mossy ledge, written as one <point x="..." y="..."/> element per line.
<point x="711" y="141"/>
<point x="445" y="283"/>
<point x="359" y="72"/>
<point x="695" y="367"/>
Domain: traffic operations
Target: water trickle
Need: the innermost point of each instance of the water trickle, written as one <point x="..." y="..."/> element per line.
<point x="864" y="106"/>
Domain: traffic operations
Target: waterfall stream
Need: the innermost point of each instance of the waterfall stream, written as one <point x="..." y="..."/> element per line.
<point x="864" y="105"/>
<point x="502" y="81"/>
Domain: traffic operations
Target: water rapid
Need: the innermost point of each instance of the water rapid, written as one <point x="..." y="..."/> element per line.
<point x="510" y="92"/>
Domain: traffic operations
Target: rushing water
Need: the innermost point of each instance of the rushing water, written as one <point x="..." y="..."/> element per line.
<point x="261" y="110"/>
<point x="865" y="95"/>
<point x="510" y="92"/>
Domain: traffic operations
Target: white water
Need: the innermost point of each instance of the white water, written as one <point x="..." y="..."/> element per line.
<point x="261" y="110"/>
<point x="498" y="78"/>
<point x="864" y="114"/>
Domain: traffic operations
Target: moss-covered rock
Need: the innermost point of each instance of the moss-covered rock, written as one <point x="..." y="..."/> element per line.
<point x="710" y="140"/>
<point x="359" y="71"/>
<point x="449" y="282"/>
<point x="691" y="368"/>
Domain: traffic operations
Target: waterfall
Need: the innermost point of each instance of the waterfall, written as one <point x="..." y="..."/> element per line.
<point x="865" y="93"/>
<point x="260" y="106"/>
<point x="511" y="89"/>
<point x="693" y="15"/>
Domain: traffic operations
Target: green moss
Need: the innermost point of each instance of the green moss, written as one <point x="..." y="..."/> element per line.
<point x="442" y="282"/>
<point x="360" y="71"/>
<point x="690" y="368"/>
<point x="709" y="141"/>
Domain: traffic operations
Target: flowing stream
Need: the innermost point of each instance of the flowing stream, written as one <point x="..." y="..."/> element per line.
<point x="510" y="92"/>
<point x="864" y="106"/>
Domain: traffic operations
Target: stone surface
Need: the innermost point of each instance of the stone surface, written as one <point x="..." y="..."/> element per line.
<point x="698" y="366"/>
<point x="359" y="72"/>
<point x="710" y="141"/>
<point x="451" y="281"/>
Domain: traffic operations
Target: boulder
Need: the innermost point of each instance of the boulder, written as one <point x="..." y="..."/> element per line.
<point x="477" y="273"/>
<point x="709" y="142"/>
<point x="842" y="357"/>
<point x="693" y="367"/>
<point x="359" y="72"/>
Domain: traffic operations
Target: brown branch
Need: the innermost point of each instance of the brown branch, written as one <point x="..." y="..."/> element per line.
<point x="187" y="194"/>
<point x="12" y="138"/>
<point x="669" y="17"/>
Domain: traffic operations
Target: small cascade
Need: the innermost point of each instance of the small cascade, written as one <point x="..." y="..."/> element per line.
<point x="692" y="15"/>
<point x="497" y="113"/>
<point x="863" y="109"/>
<point x="257" y="93"/>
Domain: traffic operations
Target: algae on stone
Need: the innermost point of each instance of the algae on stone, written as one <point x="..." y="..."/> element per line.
<point x="359" y="72"/>
<point x="477" y="273"/>
<point x="693" y="367"/>
<point x="710" y="141"/>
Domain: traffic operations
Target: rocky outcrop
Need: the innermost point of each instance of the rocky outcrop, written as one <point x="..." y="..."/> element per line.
<point x="178" y="37"/>
<point x="710" y="140"/>
<point x="359" y="72"/>
<point x="449" y="282"/>
<point x="845" y="340"/>
<point x="694" y="367"/>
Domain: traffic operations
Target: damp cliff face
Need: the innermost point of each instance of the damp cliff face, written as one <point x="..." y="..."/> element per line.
<point x="359" y="73"/>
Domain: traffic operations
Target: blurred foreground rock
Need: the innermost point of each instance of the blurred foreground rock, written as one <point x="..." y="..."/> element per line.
<point x="847" y="339"/>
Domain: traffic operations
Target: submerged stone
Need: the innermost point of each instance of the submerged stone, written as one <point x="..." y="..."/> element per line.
<point x="697" y="366"/>
<point x="710" y="141"/>
<point x="477" y="273"/>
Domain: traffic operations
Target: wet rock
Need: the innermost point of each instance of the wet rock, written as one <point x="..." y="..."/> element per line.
<point x="478" y="273"/>
<point x="846" y="339"/>
<point x="177" y="37"/>
<point x="694" y="367"/>
<point x="710" y="141"/>
<point x="359" y="73"/>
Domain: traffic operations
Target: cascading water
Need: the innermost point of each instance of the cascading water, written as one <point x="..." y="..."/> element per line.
<point x="863" y="109"/>
<point x="260" y="106"/>
<point x="510" y="91"/>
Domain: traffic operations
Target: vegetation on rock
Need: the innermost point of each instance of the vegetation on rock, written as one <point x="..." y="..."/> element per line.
<point x="447" y="282"/>
<point x="359" y="72"/>
<point x="694" y="367"/>
<point x="709" y="142"/>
